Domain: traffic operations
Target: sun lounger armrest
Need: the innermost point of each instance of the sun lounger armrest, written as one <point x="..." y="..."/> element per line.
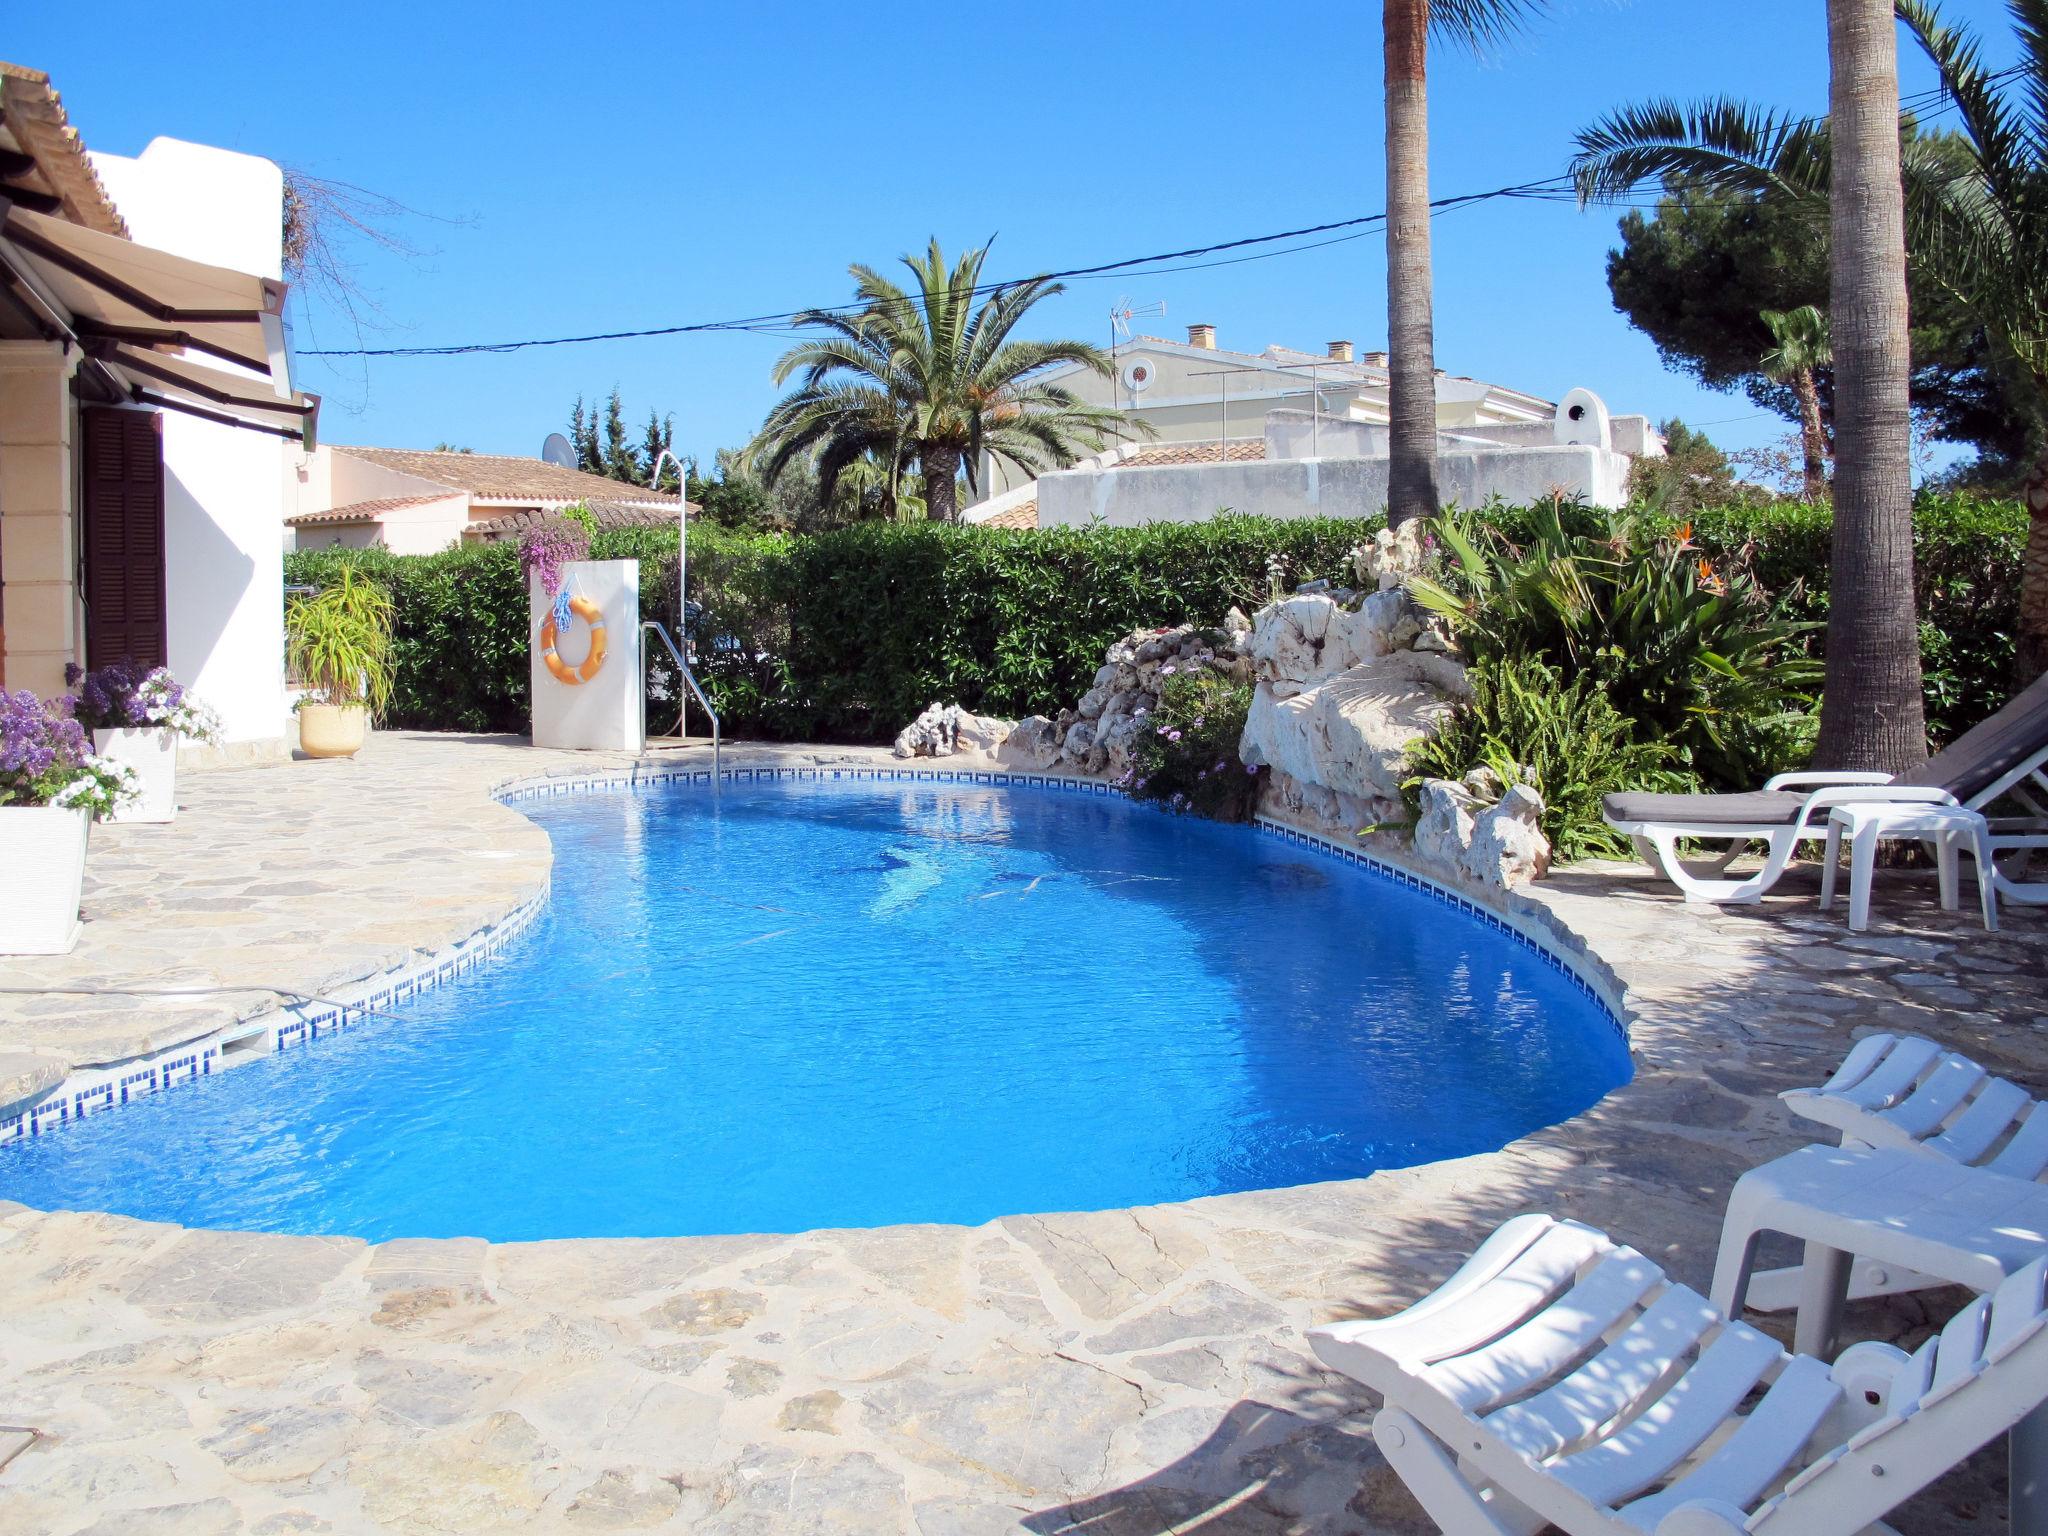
<point x="1801" y="780"/>
<point x="1872" y="794"/>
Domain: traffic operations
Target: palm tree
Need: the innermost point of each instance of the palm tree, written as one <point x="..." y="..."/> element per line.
<point x="1800" y="349"/>
<point x="931" y="378"/>
<point x="1872" y="713"/>
<point x="1411" y="340"/>
<point x="1976" y="206"/>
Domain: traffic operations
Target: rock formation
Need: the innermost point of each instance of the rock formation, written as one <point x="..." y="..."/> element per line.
<point x="1476" y="830"/>
<point x="1096" y="736"/>
<point x="1343" y="692"/>
<point x="944" y="729"/>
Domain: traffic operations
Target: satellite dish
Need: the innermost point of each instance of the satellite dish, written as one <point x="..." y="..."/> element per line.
<point x="557" y="450"/>
<point x="1138" y="375"/>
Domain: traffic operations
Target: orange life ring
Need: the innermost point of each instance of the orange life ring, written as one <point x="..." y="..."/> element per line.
<point x="592" y="615"/>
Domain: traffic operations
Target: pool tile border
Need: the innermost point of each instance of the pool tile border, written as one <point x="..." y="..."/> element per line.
<point x="97" y="1090"/>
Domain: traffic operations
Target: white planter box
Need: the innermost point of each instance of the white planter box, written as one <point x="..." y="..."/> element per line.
<point x="42" y="848"/>
<point x="152" y="753"/>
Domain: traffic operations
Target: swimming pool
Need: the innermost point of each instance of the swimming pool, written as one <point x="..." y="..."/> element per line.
<point x="800" y="1004"/>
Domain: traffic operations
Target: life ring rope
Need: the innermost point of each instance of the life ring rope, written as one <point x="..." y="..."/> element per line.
<point x="584" y="609"/>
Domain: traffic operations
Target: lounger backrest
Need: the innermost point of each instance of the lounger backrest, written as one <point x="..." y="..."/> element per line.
<point x="1991" y="749"/>
<point x="1978" y="1377"/>
<point x="1906" y="1092"/>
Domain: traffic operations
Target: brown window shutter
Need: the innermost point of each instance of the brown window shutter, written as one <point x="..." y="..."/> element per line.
<point x="124" y="537"/>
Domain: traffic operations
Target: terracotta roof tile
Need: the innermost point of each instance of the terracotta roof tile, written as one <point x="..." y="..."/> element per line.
<point x="33" y="116"/>
<point x="1023" y="515"/>
<point x="507" y="477"/>
<point x="609" y="514"/>
<point x="364" y="511"/>
<point x="1156" y="454"/>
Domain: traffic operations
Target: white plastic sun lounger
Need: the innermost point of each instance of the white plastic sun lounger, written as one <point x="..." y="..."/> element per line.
<point x="1907" y="1093"/>
<point x="2006" y="755"/>
<point x="1561" y="1378"/>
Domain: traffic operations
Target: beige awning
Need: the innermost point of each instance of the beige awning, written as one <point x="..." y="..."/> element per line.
<point x="159" y="378"/>
<point x="117" y="290"/>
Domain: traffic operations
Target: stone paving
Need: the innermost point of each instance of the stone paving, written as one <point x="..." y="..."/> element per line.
<point x="1121" y="1373"/>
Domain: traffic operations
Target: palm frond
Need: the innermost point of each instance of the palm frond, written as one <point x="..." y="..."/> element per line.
<point x="1724" y="143"/>
<point x="1480" y="25"/>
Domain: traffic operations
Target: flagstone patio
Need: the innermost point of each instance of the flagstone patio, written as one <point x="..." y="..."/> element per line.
<point x="1118" y="1373"/>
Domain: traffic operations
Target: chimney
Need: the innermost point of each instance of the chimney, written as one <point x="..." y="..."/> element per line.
<point x="1375" y="359"/>
<point x="1203" y="336"/>
<point x="1340" y="351"/>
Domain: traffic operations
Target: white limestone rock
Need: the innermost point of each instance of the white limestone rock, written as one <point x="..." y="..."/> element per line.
<point x="1032" y="745"/>
<point x="1350" y="733"/>
<point x="1391" y="558"/>
<point x="1443" y="832"/>
<point x="1508" y="847"/>
<point x="1498" y="845"/>
<point x="944" y="729"/>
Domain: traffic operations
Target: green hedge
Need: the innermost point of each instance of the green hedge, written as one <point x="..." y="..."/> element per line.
<point x="846" y="635"/>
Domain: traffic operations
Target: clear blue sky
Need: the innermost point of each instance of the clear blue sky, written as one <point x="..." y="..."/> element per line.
<point x="645" y="164"/>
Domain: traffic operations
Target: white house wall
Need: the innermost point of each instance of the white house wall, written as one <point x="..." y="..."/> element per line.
<point x="223" y="498"/>
<point x="1330" y="487"/>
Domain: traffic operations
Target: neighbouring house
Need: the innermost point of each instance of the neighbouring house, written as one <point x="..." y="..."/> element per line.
<point x="415" y="502"/>
<point x="146" y="405"/>
<point x="1241" y="430"/>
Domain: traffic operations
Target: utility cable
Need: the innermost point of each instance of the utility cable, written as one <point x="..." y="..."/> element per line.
<point x="1558" y="188"/>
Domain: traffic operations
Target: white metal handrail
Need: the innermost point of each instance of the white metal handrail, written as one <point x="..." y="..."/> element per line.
<point x="690" y="678"/>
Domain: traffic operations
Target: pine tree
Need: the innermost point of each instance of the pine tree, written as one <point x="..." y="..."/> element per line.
<point x="621" y="462"/>
<point x="659" y="436"/>
<point x="583" y="435"/>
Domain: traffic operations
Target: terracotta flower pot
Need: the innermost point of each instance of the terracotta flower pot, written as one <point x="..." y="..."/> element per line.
<point x="43" y="849"/>
<point x="332" y="730"/>
<point x="151" y="751"/>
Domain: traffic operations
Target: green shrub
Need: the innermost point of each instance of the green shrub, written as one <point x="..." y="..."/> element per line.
<point x="1188" y="756"/>
<point x="846" y="635"/>
<point x="1966" y="571"/>
<point x="1565" y="739"/>
<point x="1693" y="653"/>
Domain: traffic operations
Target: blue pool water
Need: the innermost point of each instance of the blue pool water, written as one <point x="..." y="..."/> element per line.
<point x="806" y="1004"/>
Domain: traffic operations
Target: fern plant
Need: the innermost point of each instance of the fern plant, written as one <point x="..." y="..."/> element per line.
<point x="1566" y="740"/>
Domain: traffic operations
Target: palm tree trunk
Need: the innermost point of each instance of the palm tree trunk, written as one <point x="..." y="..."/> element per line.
<point x="1813" y="440"/>
<point x="941" y="494"/>
<point x="1411" y="346"/>
<point x="1871" y="714"/>
<point x="2032" y="658"/>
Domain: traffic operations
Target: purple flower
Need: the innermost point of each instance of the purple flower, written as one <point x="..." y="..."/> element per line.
<point x="40" y="747"/>
<point x="1219" y="766"/>
<point x="1168" y="670"/>
<point x="1252" y="769"/>
<point x="545" y="550"/>
<point x="123" y="695"/>
<point x="1173" y="735"/>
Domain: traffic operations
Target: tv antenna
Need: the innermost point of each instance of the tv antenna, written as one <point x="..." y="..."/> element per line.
<point x="1121" y="314"/>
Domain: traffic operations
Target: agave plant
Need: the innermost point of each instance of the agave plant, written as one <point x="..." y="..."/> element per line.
<point x="1693" y="653"/>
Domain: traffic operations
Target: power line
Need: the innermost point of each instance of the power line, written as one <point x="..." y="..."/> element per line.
<point x="1559" y="188"/>
<point x="1125" y="267"/>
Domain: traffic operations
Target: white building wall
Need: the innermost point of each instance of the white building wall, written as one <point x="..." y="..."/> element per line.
<point x="1352" y="487"/>
<point x="223" y="496"/>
